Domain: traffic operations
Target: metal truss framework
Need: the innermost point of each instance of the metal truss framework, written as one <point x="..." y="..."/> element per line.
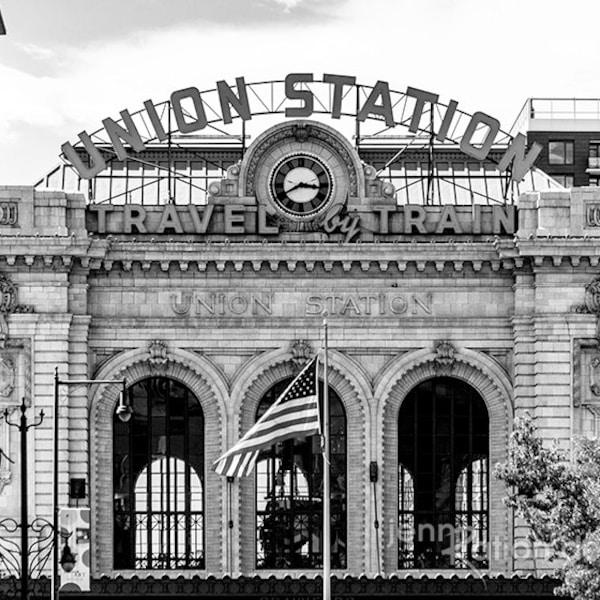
<point x="181" y="169"/>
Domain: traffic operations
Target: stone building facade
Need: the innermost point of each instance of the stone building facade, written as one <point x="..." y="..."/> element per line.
<point x="227" y="301"/>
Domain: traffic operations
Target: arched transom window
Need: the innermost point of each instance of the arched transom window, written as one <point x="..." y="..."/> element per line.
<point x="443" y="456"/>
<point x="158" y="479"/>
<point x="289" y="494"/>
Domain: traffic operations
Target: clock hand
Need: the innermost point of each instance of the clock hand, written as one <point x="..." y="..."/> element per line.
<point x="303" y="184"/>
<point x="294" y="187"/>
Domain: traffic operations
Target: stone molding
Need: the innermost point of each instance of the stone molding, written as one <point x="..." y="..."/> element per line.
<point x="262" y="375"/>
<point x="399" y="378"/>
<point x="209" y="387"/>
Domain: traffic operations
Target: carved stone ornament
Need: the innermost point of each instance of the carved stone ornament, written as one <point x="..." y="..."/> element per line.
<point x="158" y="354"/>
<point x="445" y="357"/>
<point x="591" y="303"/>
<point x="595" y="376"/>
<point x="8" y="295"/>
<point x="592" y="296"/>
<point x="7" y="377"/>
<point x="8" y="305"/>
<point x="301" y="351"/>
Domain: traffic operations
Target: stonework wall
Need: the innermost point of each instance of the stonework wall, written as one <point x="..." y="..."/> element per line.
<point x="516" y="317"/>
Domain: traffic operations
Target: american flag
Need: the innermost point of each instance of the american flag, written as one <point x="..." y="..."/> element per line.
<point x="294" y="414"/>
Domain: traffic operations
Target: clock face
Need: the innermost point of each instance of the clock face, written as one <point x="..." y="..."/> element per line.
<point x="301" y="185"/>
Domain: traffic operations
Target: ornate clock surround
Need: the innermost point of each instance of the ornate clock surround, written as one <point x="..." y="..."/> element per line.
<point x="301" y="138"/>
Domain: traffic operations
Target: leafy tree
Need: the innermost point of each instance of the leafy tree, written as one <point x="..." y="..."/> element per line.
<point x="559" y="498"/>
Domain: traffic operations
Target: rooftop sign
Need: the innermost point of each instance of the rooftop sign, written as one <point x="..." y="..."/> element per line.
<point x="475" y="134"/>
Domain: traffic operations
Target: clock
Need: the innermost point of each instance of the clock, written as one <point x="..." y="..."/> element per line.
<point x="301" y="185"/>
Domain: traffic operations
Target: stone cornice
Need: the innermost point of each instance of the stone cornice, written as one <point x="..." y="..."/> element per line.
<point x="381" y="257"/>
<point x="104" y="254"/>
<point x="555" y="251"/>
<point x="48" y="251"/>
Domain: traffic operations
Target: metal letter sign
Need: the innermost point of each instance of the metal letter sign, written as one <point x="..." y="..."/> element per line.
<point x="235" y="102"/>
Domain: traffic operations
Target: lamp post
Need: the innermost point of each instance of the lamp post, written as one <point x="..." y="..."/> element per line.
<point x="23" y="427"/>
<point x="124" y="412"/>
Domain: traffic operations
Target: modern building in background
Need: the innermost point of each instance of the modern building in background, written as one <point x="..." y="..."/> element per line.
<point x="194" y="255"/>
<point x="568" y="130"/>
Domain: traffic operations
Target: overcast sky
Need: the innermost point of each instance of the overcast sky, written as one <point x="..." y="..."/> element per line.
<point x="67" y="64"/>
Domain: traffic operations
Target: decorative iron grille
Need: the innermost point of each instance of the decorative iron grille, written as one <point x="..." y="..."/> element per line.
<point x="289" y="495"/>
<point x="443" y="438"/>
<point x="158" y="479"/>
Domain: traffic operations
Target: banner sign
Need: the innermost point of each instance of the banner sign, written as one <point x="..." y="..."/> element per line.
<point x="74" y="549"/>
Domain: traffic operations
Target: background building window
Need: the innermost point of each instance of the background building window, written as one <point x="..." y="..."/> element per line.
<point x="560" y="152"/>
<point x="158" y="479"/>
<point x="443" y="458"/>
<point x="594" y="151"/>
<point x="564" y="180"/>
<point x="594" y="180"/>
<point x="289" y="493"/>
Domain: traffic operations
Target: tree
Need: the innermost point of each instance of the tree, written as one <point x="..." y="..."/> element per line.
<point x="559" y="498"/>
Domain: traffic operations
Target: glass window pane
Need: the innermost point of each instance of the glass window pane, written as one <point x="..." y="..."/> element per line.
<point x="560" y="152"/>
<point x="158" y="494"/>
<point x="443" y="477"/>
<point x="289" y="495"/>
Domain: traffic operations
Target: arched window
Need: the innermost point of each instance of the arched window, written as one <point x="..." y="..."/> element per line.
<point x="159" y="479"/>
<point x="289" y="493"/>
<point x="443" y="456"/>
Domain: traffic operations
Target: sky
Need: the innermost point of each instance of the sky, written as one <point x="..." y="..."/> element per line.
<point x="67" y="64"/>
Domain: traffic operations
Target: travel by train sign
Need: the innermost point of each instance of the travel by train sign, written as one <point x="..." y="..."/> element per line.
<point x="300" y="95"/>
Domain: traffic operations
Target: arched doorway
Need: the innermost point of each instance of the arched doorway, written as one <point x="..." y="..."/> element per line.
<point x="158" y="461"/>
<point x="289" y="481"/>
<point x="443" y="471"/>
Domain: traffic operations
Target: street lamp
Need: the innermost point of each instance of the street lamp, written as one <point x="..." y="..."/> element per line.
<point x="23" y="427"/>
<point x="124" y="412"/>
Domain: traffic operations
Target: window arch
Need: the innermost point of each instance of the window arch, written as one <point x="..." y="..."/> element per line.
<point x="443" y="469"/>
<point x="289" y="480"/>
<point x="159" y="479"/>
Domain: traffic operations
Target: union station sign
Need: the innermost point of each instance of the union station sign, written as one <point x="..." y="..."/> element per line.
<point x="301" y="179"/>
<point x="475" y="138"/>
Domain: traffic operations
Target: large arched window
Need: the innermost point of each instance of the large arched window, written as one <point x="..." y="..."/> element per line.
<point x="443" y="456"/>
<point x="159" y="479"/>
<point x="289" y="493"/>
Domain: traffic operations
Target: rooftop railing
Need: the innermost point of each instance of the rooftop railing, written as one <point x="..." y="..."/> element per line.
<point x="556" y="109"/>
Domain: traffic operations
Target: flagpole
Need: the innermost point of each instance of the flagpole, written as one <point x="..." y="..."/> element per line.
<point x="325" y="450"/>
